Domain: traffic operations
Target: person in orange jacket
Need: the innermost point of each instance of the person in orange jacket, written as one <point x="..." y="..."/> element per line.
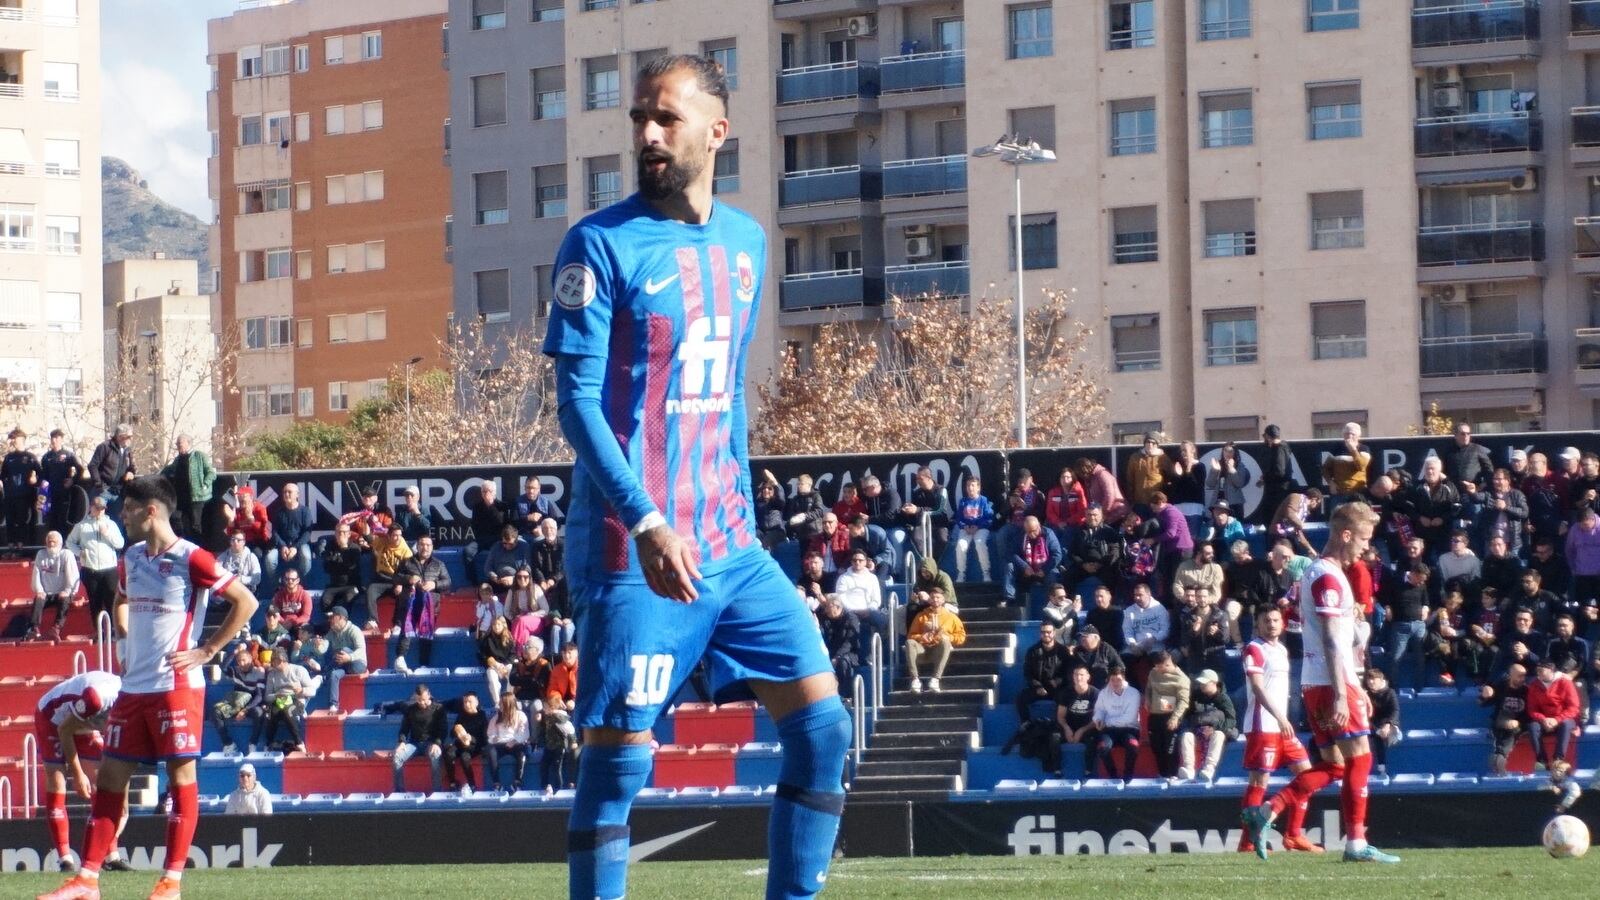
<point x="935" y="632"/>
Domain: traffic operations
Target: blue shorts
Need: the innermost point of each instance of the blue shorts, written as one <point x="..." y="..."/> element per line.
<point x="637" y="648"/>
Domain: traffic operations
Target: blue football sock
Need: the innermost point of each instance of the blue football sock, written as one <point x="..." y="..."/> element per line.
<point x="810" y="799"/>
<point x="597" y="830"/>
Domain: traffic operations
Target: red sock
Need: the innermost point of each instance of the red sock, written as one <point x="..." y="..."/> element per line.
<point x="102" y="832"/>
<point x="181" y="823"/>
<point x="1295" y="824"/>
<point x="1353" y="798"/>
<point x="56" y="803"/>
<point x="1306" y="784"/>
<point x="1254" y="795"/>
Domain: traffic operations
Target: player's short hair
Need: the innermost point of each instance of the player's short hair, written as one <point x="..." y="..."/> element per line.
<point x="148" y="489"/>
<point x="1265" y="611"/>
<point x="708" y="73"/>
<point x="1351" y="515"/>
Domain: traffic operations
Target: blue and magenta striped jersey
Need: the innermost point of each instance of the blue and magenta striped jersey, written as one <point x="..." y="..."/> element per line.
<point x="670" y="307"/>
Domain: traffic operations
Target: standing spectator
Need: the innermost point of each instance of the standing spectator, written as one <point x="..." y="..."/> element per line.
<point x="1407" y="613"/>
<point x="1583" y="485"/>
<point x="240" y="561"/>
<point x="1211" y="722"/>
<point x="1383" y="718"/>
<point x="243" y="700"/>
<point x="1508" y="718"/>
<point x="19" y="472"/>
<point x="769" y="515"/>
<point x="533" y="507"/>
<point x="409" y="517"/>
<point x="1502" y="512"/>
<point x="1277" y="472"/>
<point x="496" y="653"/>
<point x="250" y="520"/>
<point x="96" y="540"/>
<point x="288" y="688"/>
<point x="931" y="502"/>
<point x="59" y="468"/>
<point x="1248" y="586"/>
<point x="1468" y="466"/>
<point x="193" y="477"/>
<point x="1096" y="551"/>
<point x="419" y="581"/>
<point x="1553" y="708"/>
<point x="1166" y="701"/>
<point x="489" y="514"/>
<point x="291" y="534"/>
<point x="936" y="632"/>
<point x="1034" y="560"/>
<point x="1095" y="654"/>
<point x="558" y="769"/>
<point x="1146" y="625"/>
<point x="849" y="504"/>
<point x="347" y="650"/>
<point x="1065" y="506"/>
<point x="1226" y="479"/>
<point x="1173" y="542"/>
<point x="1044" y="668"/>
<point x="1116" y="723"/>
<point x="802" y="510"/>
<point x="1448" y="641"/>
<point x="54" y="578"/>
<point x="1435" y="504"/>
<point x="1100" y="488"/>
<point x="507" y="736"/>
<point x="292" y="601"/>
<point x="1583" y="556"/>
<point x="503" y="560"/>
<point x="883" y="508"/>
<point x="1547" y="501"/>
<point x="549" y="572"/>
<point x="249" y="798"/>
<point x="1345" y="470"/>
<point x="974" y="517"/>
<point x="841" y="635"/>
<point x="421" y="731"/>
<point x="1145" y="472"/>
<point x="1075" y="714"/>
<point x="469" y="739"/>
<point x="341" y="570"/>
<point x="112" y="467"/>
<point x="1185" y="484"/>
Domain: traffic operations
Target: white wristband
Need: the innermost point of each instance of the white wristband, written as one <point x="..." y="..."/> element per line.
<point x="651" y="520"/>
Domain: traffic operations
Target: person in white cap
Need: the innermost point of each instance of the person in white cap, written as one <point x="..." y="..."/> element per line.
<point x="249" y="798"/>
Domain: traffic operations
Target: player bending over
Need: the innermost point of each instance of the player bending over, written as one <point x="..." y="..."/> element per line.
<point x="657" y="299"/>
<point x="67" y="723"/>
<point x="1334" y="699"/>
<point x="163" y="586"/>
<point x="1269" y="738"/>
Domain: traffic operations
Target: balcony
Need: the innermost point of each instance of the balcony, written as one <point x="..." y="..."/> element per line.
<point x="1479" y="22"/>
<point x="923" y="71"/>
<point x="944" y="279"/>
<point x="829" y="81"/>
<point x="928" y="176"/>
<point x="1588" y="343"/>
<point x="1586" y="135"/>
<point x="1466" y="245"/>
<point x="1585" y="16"/>
<point x="1478" y="133"/>
<point x="806" y="9"/>
<point x="839" y="184"/>
<point x="1482" y="354"/>
<point x="823" y="290"/>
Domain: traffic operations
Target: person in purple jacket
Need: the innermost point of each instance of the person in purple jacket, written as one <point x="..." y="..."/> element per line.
<point x="1174" y="543"/>
<point x="974" y="516"/>
<point x="1583" y="556"/>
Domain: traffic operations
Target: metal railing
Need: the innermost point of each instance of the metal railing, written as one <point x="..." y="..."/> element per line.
<point x="829" y="81"/>
<point x="10" y="89"/>
<point x="835" y="184"/>
<point x="1482" y="354"/>
<point x="1467" y="244"/>
<point x="1230" y="243"/>
<point x="923" y="71"/>
<point x="1478" y="22"/>
<point x="5" y="797"/>
<point x="30" y="775"/>
<point x="1586" y="126"/>
<point x="66" y="94"/>
<point x="1135" y="247"/>
<point x="949" y="279"/>
<point x="1585" y="16"/>
<point x="1130" y="38"/>
<point x="1136" y="360"/>
<point x="839" y="287"/>
<point x="105" y="643"/>
<point x="1588" y="347"/>
<point x="925" y="176"/>
<point x="1339" y="346"/>
<point x="1237" y="354"/>
<point x="1496" y="132"/>
<point x="1227" y="136"/>
<point x="80" y="663"/>
<point x="875" y="662"/>
<point x="858" y="716"/>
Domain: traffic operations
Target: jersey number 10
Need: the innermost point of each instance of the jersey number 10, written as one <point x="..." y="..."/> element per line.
<point x="652" y="677"/>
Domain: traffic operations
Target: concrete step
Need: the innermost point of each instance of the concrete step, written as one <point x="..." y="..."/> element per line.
<point x="926" y="724"/>
<point x="990" y="640"/>
<point x="929" y="739"/>
<point x="878" y="754"/>
<point x="948" y="767"/>
<point x="900" y="784"/>
<point x="922" y="711"/>
<point x="879" y="795"/>
<point x="950" y="682"/>
<point x="982" y="697"/>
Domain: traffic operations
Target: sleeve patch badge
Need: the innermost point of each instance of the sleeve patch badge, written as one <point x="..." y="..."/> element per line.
<point x="575" y="286"/>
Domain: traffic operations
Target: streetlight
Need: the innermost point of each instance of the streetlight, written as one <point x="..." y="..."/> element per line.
<point x="1013" y="151"/>
<point x="409" y="363"/>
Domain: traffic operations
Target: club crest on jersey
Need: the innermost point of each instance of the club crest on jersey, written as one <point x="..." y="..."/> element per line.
<point x="745" y="287"/>
<point x="164" y="567"/>
<point x="575" y="286"/>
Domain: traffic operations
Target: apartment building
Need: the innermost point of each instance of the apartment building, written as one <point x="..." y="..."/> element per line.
<point x="50" y="332"/>
<point x="328" y="185"/>
<point x="160" y="354"/>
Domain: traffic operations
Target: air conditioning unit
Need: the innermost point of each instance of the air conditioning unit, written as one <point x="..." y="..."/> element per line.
<point x="861" y="26"/>
<point x="1535" y="405"/>
<point x="1594" y="182"/>
<point x="1527" y="181"/>
<point x="1446" y="74"/>
<point x="919" y="247"/>
<point x="1447" y="99"/>
<point x="919" y="231"/>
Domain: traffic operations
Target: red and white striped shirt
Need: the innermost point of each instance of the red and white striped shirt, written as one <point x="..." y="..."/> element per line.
<point x="167" y="596"/>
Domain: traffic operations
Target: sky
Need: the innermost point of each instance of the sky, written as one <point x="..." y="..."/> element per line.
<point x="155" y="81"/>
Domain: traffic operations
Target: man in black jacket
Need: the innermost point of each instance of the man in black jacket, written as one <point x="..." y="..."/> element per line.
<point x="111" y="467"/>
<point x="61" y="470"/>
<point x="1096" y="655"/>
<point x="841" y="634"/>
<point x="1095" y="551"/>
<point x="489" y="514"/>
<point x="929" y="499"/>
<point x="421" y="731"/>
<point x="1277" y="474"/>
<point x="20" y="472"/>
<point x="1469" y="464"/>
<point x="545" y="561"/>
<point x="418" y="583"/>
<point x="1043" y="669"/>
<point x="883" y="507"/>
<point x="341" y="564"/>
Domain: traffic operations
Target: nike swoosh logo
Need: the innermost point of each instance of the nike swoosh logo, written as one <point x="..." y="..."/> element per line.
<point x="653" y="287"/>
<point x="646" y="849"/>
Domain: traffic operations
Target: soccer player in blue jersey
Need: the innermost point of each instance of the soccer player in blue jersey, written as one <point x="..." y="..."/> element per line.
<point x="656" y="303"/>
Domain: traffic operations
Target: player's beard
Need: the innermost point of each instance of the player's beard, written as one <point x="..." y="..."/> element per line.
<point x="673" y="178"/>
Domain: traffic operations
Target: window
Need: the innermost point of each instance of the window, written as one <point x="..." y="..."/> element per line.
<point x="302" y="195"/>
<point x="302" y="332"/>
<point x="1329" y="426"/>
<point x="493" y="291"/>
<point x="63" y="311"/>
<point x="1339" y="330"/>
<point x="377" y="323"/>
<point x="377" y="389"/>
<point x="487" y="14"/>
<point x="1136" y="343"/>
<point x="548" y="11"/>
<point x="354" y="327"/>
<point x="19" y="304"/>
<point x="1029" y="28"/>
<point x="1230" y="337"/>
<point x="1133" y="126"/>
<point x="61" y="158"/>
<point x="308" y="401"/>
<point x="1224" y="19"/>
<point x="372" y="184"/>
<point x="725" y="168"/>
<point x="280" y="331"/>
<point x="279" y="128"/>
<point x="543" y="286"/>
<point x="372" y="115"/>
<point x="1133" y="432"/>
<point x="16" y="226"/>
<point x="1132" y="24"/>
<point x="589" y="5"/>
<point x="489" y="198"/>
<point x="275" y="60"/>
<point x="1036" y="123"/>
<point x="550" y="191"/>
<point x="255" y="402"/>
<point x="254" y="332"/>
<point x="724" y="53"/>
<point x="338" y="257"/>
<point x="1233" y="428"/>
<point x="249" y="62"/>
<point x="643" y="58"/>
<point x="338" y="396"/>
<point x="488" y="100"/>
<point x="250" y="133"/>
<point x="302" y="57"/>
<point x="604" y="181"/>
<point x="334" y="120"/>
<point x="64" y="386"/>
<point x="1134" y="235"/>
<point x="1336" y="221"/>
<point x="372" y="45"/>
<point x="1334" y="110"/>
<point x="377" y="255"/>
<point x="60" y="81"/>
<point x="63" y="235"/>
<point x="280" y="263"/>
<point x="549" y="92"/>
<point x="1332" y="15"/>
<point x="302" y="126"/>
<point x="302" y="264"/>
<point x="1230" y="228"/>
<point x="280" y="400"/>
<point x="1226" y="119"/>
<point x="1038" y="241"/>
<point x="333" y="50"/>
<point x="601" y="85"/>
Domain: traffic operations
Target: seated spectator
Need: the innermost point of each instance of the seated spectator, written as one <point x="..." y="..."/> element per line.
<point x="550" y="576"/>
<point x="1210" y="722"/>
<point x="1502" y="511"/>
<point x="802" y="511"/>
<point x="389" y="550"/>
<point x="292" y="600"/>
<point x="414" y="524"/>
<point x="883" y="508"/>
<point x="54" y="578"/>
<point x="850" y="504"/>
<point x="249" y="798"/>
<point x="1570" y="654"/>
<point x="347" y="650"/>
<point x="930" y="576"/>
<point x="469" y="740"/>
<point x="862" y="596"/>
<point x="1146" y="625"/>
<point x="423" y="572"/>
<point x="562" y="694"/>
<point x="1075" y="703"/>
<point x="309" y="651"/>
<point x="273" y="633"/>
<point x="1553" y="708"/>
<point x="501" y="562"/>
<point x="1065" y="507"/>
<point x="832" y="543"/>
<point x="1096" y="551"/>
<point x="488" y="609"/>
<point x="1136" y="560"/>
<point x="489" y="515"/>
<point x="1555" y="575"/>
<point x="1450" y="643"/>
<point x="770" y="527"/>
<point x="243" y="700"/>
<point x="250" y="520"/>
<point x="1501" y="570"/>
<point x="528" y="611"/>
<point x="1224" y="531"/>
<point x="974" y="516"/>
<point x="496" y="652"/>
<point x="1520" y="644"/>
<point x="1508" y="700"/>
<point x="1061" y="611"/>
<point x="1291" y="517"/>
<point x="533" y="507"/>
<point x="1093" y="653"/>
<point x="1249" y="585"/>
<point x="1044" y="668"/>
<point x="288" y="688"/>
<point x="871" y="540"/>
<point x="1166" y="702"/>
<point x="1529" y="594"/>
<point x="507" y="736"/>
<point x="422" y="731"/>
<point x="814" y="585"/>
<point x="238" y="560"/>
<point x="341" y="569"/>
<point x="1202" y="638"/>
<point x="418" y="583"/>
<point x="1201" y="572"/>
<point x="936" y="632"/>
<point x="290" y="545"/>
<point x="1407" y="614"/>
<point x="841" y="636"/>
<point x="1116" y="724"/>
<point x="530" y="677"/>
<point x="1383" y="706"/>
<point x="1105" y="618"/>
<point x="1034" y="560"/>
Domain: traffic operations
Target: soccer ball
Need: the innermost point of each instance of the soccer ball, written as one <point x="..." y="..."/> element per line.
<point x="1566" y="837"/>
